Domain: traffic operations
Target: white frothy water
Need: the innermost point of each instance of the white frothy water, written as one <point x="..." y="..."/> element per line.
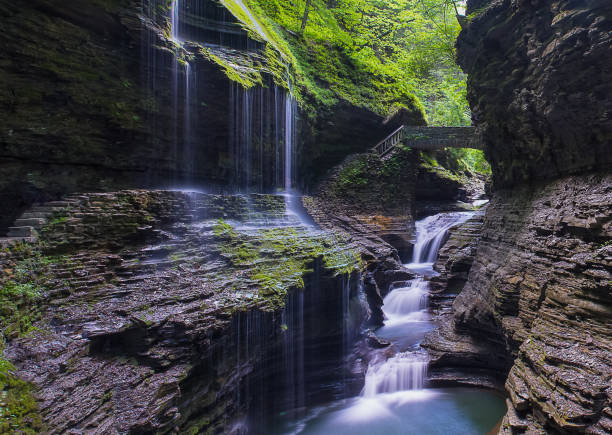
<point x="407" y="305"/>
<point x="405" y="371"/>
<point x="430" y="233"/>
<point x="406" y="301"/>
<point x="174" y="19"/>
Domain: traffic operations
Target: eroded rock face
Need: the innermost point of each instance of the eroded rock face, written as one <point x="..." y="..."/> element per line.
<point x="153" y="309"/>
<point x="371" y="200"/>
<point x="99" y="98"/>
<point x="539" y="85"/>
<point x="537" y="303"/>
<point x="540" y="285"/>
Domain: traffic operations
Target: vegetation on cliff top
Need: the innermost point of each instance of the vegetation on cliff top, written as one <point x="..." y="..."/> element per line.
<point x="377" y="54"/>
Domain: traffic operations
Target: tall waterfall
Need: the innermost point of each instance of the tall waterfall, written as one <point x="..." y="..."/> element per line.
<point x="188" y="152"/>
<point x="174" y="19"/>
<point x="262" y="135"/>
<point x="289" y="120"/>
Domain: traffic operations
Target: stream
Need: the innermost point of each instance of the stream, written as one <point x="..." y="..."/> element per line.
<point x="395" y="398"/>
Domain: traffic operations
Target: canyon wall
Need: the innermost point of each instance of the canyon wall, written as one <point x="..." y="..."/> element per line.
<point x="144" y="311"/>
<point x="98" y="97"/>
<point x="538" y="299"/>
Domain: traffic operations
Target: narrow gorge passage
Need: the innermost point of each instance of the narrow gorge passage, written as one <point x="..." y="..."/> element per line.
<point x="395" y="397"/>
<point x="273" y="217"/>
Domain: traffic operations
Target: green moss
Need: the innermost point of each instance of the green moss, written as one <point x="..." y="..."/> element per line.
<point x="367" y="175"/>
<point x="247" y="75"/>
<point x="18" y="308"/>
<point x="279" y="258"/>
<point x="57" y="220"/>
<point x="18" y="407"/>
<point x="232" y="245"/>
<point x="353" y="174"/>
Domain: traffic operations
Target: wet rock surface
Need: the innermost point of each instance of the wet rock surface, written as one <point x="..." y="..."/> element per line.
<point x="536" y="307"/>
<point x="457" y="359"/>
<point x="538" y="85"/>
<point x="537" y="303"/>
<point x="155" y="305"/>
<point x="370" y="200"/>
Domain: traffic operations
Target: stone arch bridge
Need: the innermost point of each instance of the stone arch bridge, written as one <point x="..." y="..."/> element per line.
<point x="430" y="138"/>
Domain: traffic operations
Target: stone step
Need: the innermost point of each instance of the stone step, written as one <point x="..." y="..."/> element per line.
<point x="9" y="241"/>
<point x="34" y="214"/>
<point x="30" y="222"/>
<point x="48" y="209"/>
<point x="21" y="232"/>
<point x="59" y="203"/>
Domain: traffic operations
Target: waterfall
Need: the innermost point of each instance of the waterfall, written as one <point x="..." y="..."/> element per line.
<point x="288" y="141"/>
<point x="187" y="139"/>
<point x="431" y="232"/>
<point x="174" y="20"/>
<point x="404" y="301"/>
<point x="292" y="319"/>
<point x="261" y="138"/>
<point x="404" y="371"/>
<point x="406" y="307"/>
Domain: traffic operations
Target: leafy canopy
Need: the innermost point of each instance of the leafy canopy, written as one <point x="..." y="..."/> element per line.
<point x="374" y="53"/>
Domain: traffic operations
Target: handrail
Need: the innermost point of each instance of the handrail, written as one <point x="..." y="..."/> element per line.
<point x="429" y="138"/>
<point x="389" y="142"/>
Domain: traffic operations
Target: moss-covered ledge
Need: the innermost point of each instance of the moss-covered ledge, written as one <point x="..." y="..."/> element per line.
<point x="131" y="288"/>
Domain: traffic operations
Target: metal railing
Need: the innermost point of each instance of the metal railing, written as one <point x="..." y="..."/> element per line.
<point x="430" y="138"/>
<point x="388" y="143"/>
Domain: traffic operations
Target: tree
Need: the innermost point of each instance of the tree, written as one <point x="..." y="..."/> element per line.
<point x="305" y="16"/>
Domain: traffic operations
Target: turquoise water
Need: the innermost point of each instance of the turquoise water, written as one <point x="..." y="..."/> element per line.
<point x="429" y="411"/>
<point x="394" y="400"/>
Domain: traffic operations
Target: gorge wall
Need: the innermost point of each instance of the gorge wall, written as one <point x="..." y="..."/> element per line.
<point x="145" y="311"/>
<point x="98" y="97"/>
<point x="538" y="300"/>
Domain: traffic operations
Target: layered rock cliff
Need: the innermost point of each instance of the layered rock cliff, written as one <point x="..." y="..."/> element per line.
<point x="144" y="311"/>
<point x="538" y="300"/>
<point x="107" y="95"/>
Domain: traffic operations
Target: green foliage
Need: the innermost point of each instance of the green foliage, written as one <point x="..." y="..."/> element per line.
<point x="278" y="258"/>
<point x="369" y="175"/>
<point x="18" y="308"/>
<point x="18" y="407"/>
<point x="456" y="163"/>
<point x="353" y="174"/>
<point x="20" y="297"/>
<point x="471" y="160"/>
<point x="378" y="54"/>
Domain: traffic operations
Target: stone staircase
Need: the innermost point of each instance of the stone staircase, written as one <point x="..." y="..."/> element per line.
<point x="25" y="228"/>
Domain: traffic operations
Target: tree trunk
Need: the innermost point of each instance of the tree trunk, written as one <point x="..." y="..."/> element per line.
<point x="305" y="16"/>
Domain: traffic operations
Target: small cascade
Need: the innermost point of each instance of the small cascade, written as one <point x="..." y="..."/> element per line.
<point x="431" y="233"/>
<point x="404" y="301"/>
<point x="405" y="309"/>
<point x="403" y="372"/>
